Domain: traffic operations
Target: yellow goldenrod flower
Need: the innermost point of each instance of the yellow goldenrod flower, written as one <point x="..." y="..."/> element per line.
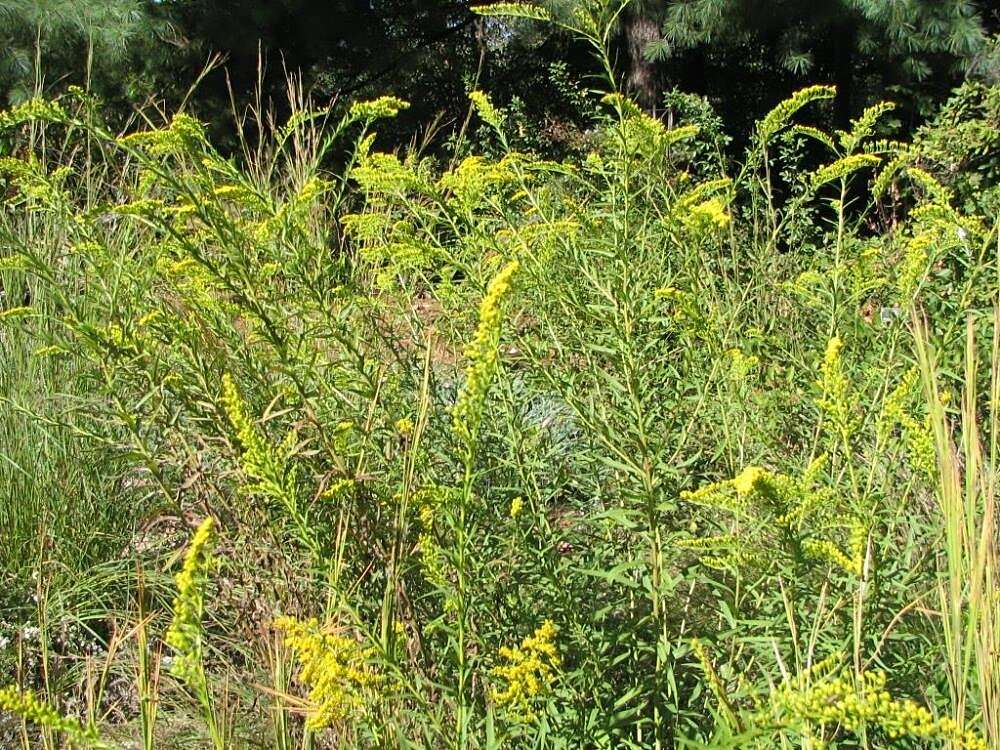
<point x="482" y="355"/>
<point x="530" y="671"/>
<point x="184" y="635"/>
<point x="914" y="266"/>
<point x="741" y="365"/>
<point x="385" y="174"/>
<point x="334" y="667"/>
<point x="274" y="473"/>
<point x="30" y="707"/>
<point x="836" y="700"/>
<point x="474" y="177"/>
<point x="516" y="506"/>
<point x="780" y="116"/>
<point x="404" y="426"/>
<point x="796" y="505"/>
<point x="708" y="216"/>
<point x="377" y="109"/>
<point x="824" y="549"/>
<point x="49" y="351"/>
<point x="836" y="400"/>
<point x="749" y="480"/>
<point x="429" y="500"/>
<point x="485" y="109"/>
<point x="843" y="167"/>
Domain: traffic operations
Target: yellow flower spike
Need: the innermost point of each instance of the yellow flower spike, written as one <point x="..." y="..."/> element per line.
<point x="16" y="312"/>
<point x="273" y="473"/>
<point x="482" y="355"/>
<point x="485" y="109"/>
<point x="836" y="401"/>
<point x="184" y="635"/>
<point x="749" y="480"/>
<point x="377" y="109"/>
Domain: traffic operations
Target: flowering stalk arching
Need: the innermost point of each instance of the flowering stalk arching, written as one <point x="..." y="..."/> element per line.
<point x="482" y="355"/>
<point x="30" y="707"/>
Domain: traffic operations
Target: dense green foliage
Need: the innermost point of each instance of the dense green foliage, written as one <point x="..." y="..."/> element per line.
<point x="853" y="43"/>
<point x="45" y="43"/>
<point x="743" y="55"/>
<point x="638" y="447"/>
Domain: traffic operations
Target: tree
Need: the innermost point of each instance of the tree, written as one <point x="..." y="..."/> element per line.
<point x="428" y="52"/>
<point x="44" y="41"/>
<point x="640" y="30"/>
<point x="914" y="46"/>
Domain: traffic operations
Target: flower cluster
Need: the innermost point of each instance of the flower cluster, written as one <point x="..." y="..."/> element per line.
<point x="707" y="217"/>
<point x="274" y="474"/>
<point x="377" y="109"/>
<point x="838" y="701"/>
<point x="334" y="667"/>
<point x="30" y="707"/>
<point x="767" y="502"/>
<point x="917" y="434"/>
<point x="683" y="309"/>
<point x="530" y="671"/>
<point x="485" y="109"/>
<point x="482" y="355"/>
<point x="475" y="177"/>
<point x="430" y="501"/>
<point x="741" y="365"/>
<point x="31" y="110"/>
<point x="836" y="401"/>
<point x="734" y="494"/>
<point x="385" y="174"/>
<point x="916" y="258"/>
<point x="184" y="635"/>
<point x="184" y="134"/>
<point x="516" y="506"/>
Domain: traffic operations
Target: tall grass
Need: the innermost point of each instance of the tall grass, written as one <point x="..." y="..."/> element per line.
<point x="967" y="466"/>
<point x="55" y="481"/>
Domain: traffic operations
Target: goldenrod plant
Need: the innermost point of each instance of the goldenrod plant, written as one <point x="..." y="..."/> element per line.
<point x="649" y="446"/>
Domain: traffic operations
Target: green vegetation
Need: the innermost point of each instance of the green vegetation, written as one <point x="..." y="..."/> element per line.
<point x="314" y="444"/>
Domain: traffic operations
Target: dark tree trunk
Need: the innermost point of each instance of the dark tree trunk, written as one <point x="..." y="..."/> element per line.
<point x="641" y="81"/>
